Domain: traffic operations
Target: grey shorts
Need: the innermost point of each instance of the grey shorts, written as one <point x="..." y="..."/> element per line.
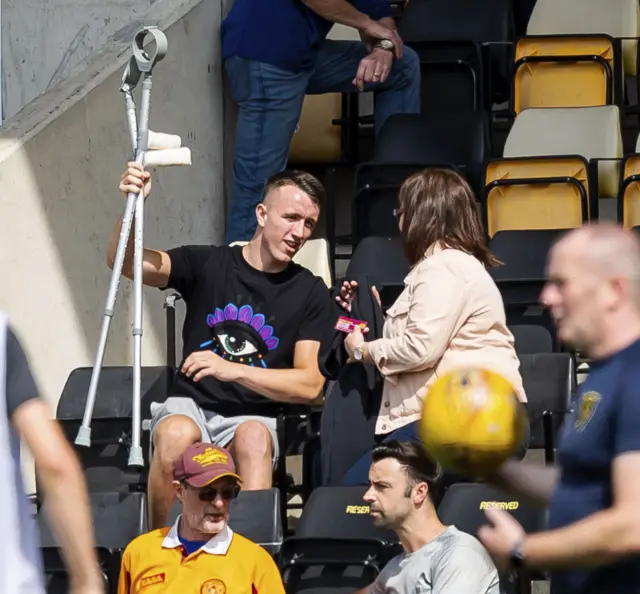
<point x="214" y="428"/>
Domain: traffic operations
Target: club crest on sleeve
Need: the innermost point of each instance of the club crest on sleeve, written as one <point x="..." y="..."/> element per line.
<point x="585" y="410"/>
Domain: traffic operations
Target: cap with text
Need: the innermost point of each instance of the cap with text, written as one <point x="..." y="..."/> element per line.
<point x="203" y="463"/>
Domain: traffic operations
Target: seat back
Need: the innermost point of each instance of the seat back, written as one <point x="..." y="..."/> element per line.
<point x="532" y="339"/>
<point x="340" y="513"/>
<point x="458" y="139"/>
<point x="549" y="381"/>
<point x="446" y="21"/>
<point x="317" y="139"/>
<point x="373" y="173"/>
<point x="629" y="193"/>
<point x="464" y="504"/>
<point x="254" y="515"/>
<point x="524" y="257"/>
<point x="563" y="71"/>
<point x="117" y="520"/>
<point x="372" y="214"/>
<point x="380" y="258"/>
<point x="336" y="544"/>
<point x="617" y="18"/>
<point x="591" y="132"/>
<point x="536" y="193"/>
<point x="105" y="463"/>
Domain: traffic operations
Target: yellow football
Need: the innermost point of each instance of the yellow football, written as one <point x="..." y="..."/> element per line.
<point x="472" y="421"/>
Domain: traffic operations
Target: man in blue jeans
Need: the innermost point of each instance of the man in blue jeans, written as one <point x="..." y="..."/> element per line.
<point x="275" y="52"/>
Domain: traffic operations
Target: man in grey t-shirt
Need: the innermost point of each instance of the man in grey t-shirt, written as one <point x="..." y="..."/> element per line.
<point x="438" y="559"/>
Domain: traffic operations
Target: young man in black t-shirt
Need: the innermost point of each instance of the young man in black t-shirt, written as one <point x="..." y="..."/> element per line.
<point x="251" y="334"/>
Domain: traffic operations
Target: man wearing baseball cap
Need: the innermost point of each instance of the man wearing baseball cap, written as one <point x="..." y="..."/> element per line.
<point x="200" y="553"/>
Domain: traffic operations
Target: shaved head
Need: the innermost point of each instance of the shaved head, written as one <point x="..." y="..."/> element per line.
<point x="609" y="251"/>
<point x="593" y="287"/>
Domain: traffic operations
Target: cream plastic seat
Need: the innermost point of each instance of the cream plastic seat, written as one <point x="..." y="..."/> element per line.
<point x="314" y="256"/>
<point x="617" y="18"/>
<point x="591" y="132"/>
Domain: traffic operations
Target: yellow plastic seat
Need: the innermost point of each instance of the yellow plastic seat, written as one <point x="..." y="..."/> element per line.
<point x="536" y="193"/>
<point x="629" y="197"/>
<point x="542" y="81"/>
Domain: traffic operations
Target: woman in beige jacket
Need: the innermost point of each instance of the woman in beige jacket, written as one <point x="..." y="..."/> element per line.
<point x="450" y="313"/>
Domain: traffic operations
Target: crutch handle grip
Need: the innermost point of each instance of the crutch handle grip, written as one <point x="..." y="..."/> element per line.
<point x="160" y="140"/>
<point x="168" y="157"/>
<point x="146" y="59"/>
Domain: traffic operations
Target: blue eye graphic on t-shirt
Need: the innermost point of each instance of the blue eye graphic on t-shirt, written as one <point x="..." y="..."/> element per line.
<point x="240" y="336"/>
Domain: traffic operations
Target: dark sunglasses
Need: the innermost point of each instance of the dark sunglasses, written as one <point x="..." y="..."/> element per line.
<point x="210" y="494"/>
<point x="397" y="212"/>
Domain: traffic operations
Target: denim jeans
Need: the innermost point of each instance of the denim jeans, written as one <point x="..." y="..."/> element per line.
<point x="269" y="105"/>
<point x="358" y="474"/>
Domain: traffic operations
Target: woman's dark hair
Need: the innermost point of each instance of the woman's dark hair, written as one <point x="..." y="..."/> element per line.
<point x="439" y="206"/>
<point x="417" y="464"/>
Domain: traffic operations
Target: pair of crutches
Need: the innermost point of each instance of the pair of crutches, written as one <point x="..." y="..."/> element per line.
<point x="151" y="150"/>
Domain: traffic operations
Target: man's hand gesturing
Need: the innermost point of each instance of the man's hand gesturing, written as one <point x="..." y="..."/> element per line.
<point x="205" y="363"/>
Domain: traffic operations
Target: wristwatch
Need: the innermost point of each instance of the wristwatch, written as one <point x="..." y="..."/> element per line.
<point x="517" y="556"/>
<point x="358" y="354"/>
<point x="385" y="44"/>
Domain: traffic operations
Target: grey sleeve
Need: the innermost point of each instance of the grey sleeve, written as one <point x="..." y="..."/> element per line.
<point x="379" y="586"/>
<point x="464" y="570"/>
<point x="21" y="386"/>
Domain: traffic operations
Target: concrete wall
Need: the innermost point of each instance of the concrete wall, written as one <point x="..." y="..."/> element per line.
<point x="60" y="162"/>
<point x="43" y="41"/>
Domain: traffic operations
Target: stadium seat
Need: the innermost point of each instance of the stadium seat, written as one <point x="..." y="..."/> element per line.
<point x="372" y="213"/>
<point x="565" y="71"/>
<point x="117" y="520"/>
<point x="536" y="193"/>
<point x="336" y="547"/>
<point x="459" y="43"/>
<point x="549" y="380"/>
<point x="463" y="506"/>
<point x="629" y="193"/>
<point x="461" y="140"/>
<point x="314" y="256"/>
<point x="523" y="254"/>
<point x="253" y="514"/>
<point x="591" y="132"/>
<point x="532" y="339"/>
<point x="382" y="259"/>
<point x="616" y="18"/>
<point x="317" y="138"/>
<point x="435" y="139"/>
<point x="105" y="463"/>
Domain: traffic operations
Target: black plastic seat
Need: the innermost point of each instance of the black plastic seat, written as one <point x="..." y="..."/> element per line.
<point x="464" y="505"/>
<point x="105" y="463"/>
<point x="490" y="25"/>
<point x="382" y="260"/>
<point x="532" y="339"/>
<point x="117" y="520"/>
<point x="549" y="380"/>
<point x="336" y="545"/>
<point x="524" y="257"/>
<point x="457" y="139"/>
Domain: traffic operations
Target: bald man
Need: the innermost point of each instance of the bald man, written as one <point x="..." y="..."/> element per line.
<point x="251" y="335"/>
<point x="592" y="544"/>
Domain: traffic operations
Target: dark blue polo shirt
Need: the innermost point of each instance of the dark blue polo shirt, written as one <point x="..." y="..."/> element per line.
<point x="284" y="33"/>
<point x="605" y="423"/>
